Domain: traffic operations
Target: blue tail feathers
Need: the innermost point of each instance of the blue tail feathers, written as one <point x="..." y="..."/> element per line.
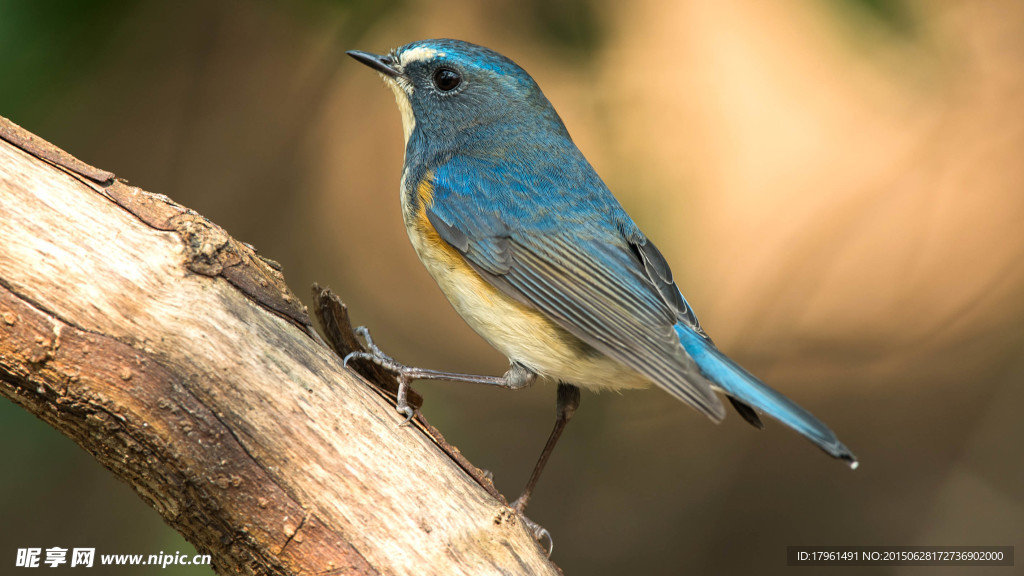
<point x="742" y="385"/>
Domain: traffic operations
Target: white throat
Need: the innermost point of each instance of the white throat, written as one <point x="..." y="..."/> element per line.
<point x="402" y="92"/>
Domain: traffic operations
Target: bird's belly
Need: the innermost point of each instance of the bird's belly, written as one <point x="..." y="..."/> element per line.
<point x="518" y="331"/>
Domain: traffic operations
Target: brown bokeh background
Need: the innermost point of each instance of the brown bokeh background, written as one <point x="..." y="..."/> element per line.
<point x="839" y="186"/>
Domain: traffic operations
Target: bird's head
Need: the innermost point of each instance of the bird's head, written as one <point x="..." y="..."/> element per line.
<point x="453" y="93"/>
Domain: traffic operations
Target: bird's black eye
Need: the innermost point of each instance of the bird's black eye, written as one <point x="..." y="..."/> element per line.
<point x="447" y="79"/>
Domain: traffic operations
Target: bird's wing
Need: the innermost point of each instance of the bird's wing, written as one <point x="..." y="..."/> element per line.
<point x="573" y="257"/>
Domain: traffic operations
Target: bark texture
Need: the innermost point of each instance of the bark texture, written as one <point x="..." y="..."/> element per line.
<point x="179" y="358"/>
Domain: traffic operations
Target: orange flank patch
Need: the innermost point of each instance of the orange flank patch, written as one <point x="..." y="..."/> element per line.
<point x="435" y="248"/>
<point x="425" y="191"/>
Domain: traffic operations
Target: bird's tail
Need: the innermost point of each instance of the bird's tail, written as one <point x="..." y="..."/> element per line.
<point x="742" y="385"/>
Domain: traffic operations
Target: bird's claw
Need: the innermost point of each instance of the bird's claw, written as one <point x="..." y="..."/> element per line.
<point x="375" y="354"/>
<point x="406" y="411"/>
<point x="401" y="371"/>
<point x="539" y="533"/>
<point x="357" y="355"/>
<point x="386" y="362"/>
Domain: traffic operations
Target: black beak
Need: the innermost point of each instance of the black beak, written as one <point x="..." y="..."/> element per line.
<point x="383" y="64"/>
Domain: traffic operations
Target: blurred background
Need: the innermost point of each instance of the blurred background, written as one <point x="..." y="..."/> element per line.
<point x="839" y="186"/>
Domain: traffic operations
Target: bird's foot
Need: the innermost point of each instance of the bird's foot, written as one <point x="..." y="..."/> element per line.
<point x="539" y="533"/>
<point x="404" y="374"/>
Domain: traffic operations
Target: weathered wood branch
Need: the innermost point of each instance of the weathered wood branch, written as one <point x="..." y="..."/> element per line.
<point x="180" y="360"/>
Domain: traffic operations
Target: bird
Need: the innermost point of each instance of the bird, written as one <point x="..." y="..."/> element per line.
<point x="535" y="253"/>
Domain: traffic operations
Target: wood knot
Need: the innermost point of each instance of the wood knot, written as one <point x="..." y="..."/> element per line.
<point x="208" y="249"/>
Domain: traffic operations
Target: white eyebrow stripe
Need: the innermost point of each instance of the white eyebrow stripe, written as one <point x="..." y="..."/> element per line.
<point x="419" y="53"/>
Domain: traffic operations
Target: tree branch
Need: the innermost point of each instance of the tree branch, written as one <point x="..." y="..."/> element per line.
<point x="181" y="361"/>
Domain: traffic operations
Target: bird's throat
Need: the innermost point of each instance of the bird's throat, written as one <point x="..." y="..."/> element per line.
<point x="405" y="107"/>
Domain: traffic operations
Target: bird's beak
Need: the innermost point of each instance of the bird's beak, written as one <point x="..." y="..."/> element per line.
<point x="383" y="64"/>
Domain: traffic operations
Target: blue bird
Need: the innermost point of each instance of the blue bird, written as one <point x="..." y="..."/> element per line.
<point x="538" y="257"/>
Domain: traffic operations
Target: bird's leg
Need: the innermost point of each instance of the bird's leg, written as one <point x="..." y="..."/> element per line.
<point x="517" y="376"/>
<point x="568" y="402"/>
